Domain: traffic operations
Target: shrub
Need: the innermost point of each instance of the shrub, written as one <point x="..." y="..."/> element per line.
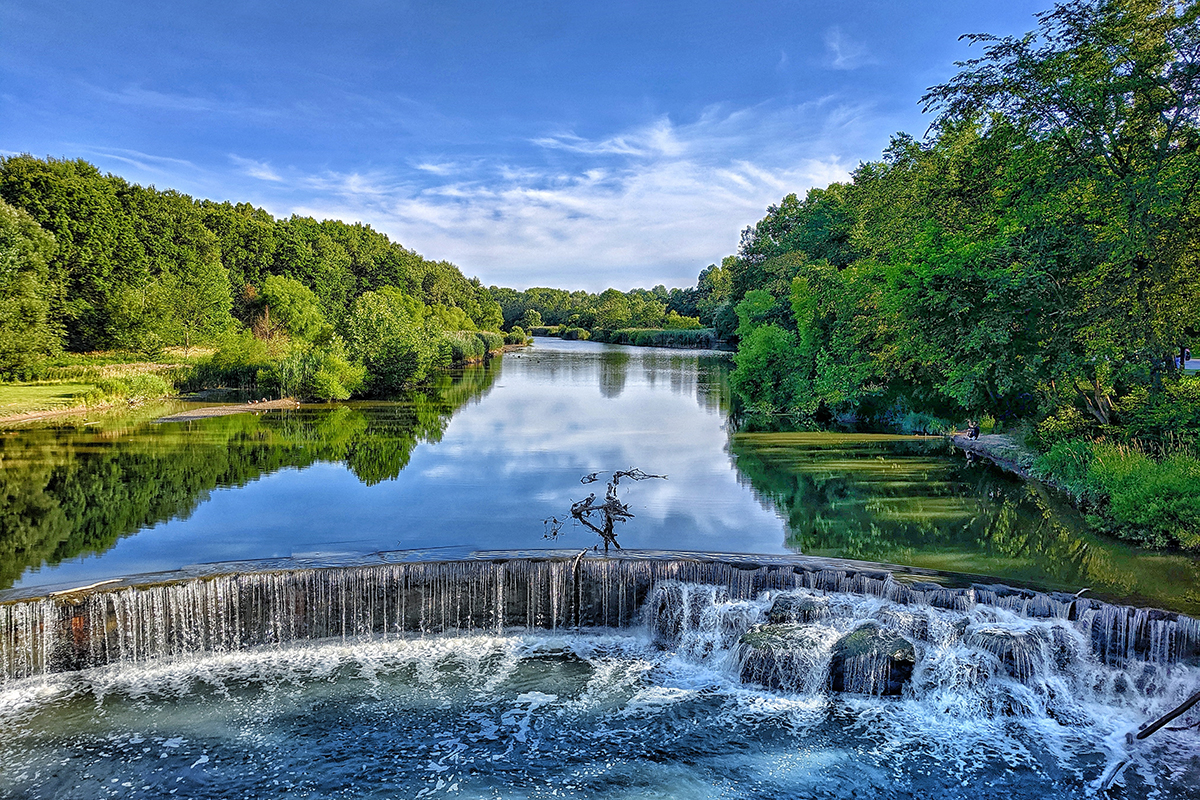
<point x="1065" y="464"/>
<point x="1164" y="420"/>
<point x="1155" y="502"/>
<point x="1065" y="423"/>
<point x="580" y="334"/>
<point x="464" y="346"/>
<point x="143" y="386"/>
<point x="516" y="336"/>
<point x="492" y="342"/>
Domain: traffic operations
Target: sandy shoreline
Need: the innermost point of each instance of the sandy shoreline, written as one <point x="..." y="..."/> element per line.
<point x="222" y="411"/>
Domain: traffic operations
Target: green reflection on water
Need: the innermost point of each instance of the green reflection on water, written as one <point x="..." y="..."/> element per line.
<point x="910" y="501"/>
<point x="76" y="489"/>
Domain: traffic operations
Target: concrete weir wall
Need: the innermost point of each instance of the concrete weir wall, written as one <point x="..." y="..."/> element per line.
<point x="235" y="606"/>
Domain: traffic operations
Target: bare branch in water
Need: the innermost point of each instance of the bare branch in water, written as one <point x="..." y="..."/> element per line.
<point x="599" y="517"/>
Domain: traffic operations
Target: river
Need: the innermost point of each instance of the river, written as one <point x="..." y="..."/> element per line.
<point x="400" y="675"/>
<point x="481" y="458"/>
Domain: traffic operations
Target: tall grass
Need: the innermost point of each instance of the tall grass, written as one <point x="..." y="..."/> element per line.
<point x="1131" y="494"/>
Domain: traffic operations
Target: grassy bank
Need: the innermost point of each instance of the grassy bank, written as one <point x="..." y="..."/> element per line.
<point x="685" y="338"/>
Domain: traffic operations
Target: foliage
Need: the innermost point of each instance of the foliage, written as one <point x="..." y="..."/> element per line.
<point x="314" y="372"/>
<point x="465" y="346"/>
<point x="1133" y="496"/>
<point x="1065" y="423"/>
<point x="690" y="338"/>
<point x="116" y="265"/>
<point x="26" y="334"/>
<point x="516" y="336"/>
<point x="394" y="338"/>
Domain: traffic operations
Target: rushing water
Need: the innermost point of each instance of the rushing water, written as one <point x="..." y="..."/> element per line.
<point x="481" y="458"/>
<point x="682" y="700"/>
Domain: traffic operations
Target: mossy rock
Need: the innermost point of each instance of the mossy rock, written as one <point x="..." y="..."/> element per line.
<point x="797" y="608"/>
<point x="781" y="656"/>
<point x="871" y="660"/>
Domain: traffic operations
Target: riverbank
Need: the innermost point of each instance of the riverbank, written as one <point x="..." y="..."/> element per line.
<point x="1001" y="450"/>
<point x="205" y="412"/>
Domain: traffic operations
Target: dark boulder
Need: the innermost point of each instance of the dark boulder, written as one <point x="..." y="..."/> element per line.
<point x="798" y="608"/>
<point x="1023" y="654"/>
<point x="782" y="657"/>
<point x="871" y="660"/>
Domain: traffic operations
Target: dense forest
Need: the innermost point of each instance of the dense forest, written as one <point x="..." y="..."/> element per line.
<point x="1033" y="262"/>
<point x="323" y="309"/>
<point x="651" y="316"/>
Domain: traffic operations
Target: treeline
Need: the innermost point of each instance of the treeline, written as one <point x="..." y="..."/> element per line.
<point x="1035" y="260"/>
<point x="639" y="316"/>
<point x="93" y="262"/>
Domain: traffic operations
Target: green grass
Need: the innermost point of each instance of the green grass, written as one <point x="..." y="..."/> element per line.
<point x="25" y="398"/>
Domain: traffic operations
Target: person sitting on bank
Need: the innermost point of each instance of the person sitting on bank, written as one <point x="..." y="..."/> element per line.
<point x="972" y="430"/>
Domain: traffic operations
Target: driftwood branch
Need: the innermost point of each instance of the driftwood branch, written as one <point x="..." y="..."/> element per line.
<point x="1147" y="729"/>
<point x="600" y="517"/>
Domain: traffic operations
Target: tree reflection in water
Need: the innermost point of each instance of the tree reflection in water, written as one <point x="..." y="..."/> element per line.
<point x="75" y="490"/>
<point x="902" y="500"/>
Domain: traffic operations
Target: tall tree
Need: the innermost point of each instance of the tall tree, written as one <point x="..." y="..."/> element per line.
<point x="1112" y="87"/>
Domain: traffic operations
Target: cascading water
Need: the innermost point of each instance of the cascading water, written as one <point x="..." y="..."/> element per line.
<point x="567" y="674"/>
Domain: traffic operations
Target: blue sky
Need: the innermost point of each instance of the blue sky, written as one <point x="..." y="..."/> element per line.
<point x="564" y="143"/>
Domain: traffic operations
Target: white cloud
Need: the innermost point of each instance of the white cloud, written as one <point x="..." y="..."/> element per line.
<point x="844" y="53"/>
<point x="256" y="169"/>
<point x="649" y="205"/>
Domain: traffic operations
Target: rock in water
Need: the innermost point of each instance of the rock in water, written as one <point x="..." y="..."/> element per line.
<point x="871" y="660"/>
<point x="798" y="608"/>
<point x="782" y="657"/>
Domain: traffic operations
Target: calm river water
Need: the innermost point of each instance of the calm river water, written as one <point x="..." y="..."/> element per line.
<point x="482" y="458"/>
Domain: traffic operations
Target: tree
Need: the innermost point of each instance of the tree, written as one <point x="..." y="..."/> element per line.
<point x="25" y="331"/>
<point x="1112" y="88"/>
<point x="290" y="307"/>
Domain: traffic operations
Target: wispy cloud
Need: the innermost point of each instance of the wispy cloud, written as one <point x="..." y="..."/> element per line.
<point x="648" y="205"/>
<point x="256" y="169"/>
<point x="844" y="53"/>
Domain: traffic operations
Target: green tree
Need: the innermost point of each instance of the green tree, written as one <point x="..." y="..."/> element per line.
<point x="25" y="331"/>
<point x="290" y="307"/>
<point x="1112" y="89"/>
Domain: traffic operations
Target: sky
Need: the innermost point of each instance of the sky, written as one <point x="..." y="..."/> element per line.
<point x="560" y="143"/>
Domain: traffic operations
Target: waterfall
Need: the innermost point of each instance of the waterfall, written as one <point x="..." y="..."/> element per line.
<point x="700" y="602"/>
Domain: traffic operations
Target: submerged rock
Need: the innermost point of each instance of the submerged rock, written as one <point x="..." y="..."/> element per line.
<point x="783" y="657"/>
<point x="871" y="660"/>
<point x="1024" y="653"/>
<point x="798" y="608"/>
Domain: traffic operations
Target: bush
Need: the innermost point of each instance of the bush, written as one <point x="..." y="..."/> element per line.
<point x="516" y="336"/>
<point x="464" y="346"/>
<point x="688" y="338"/>
<point x="580" y="334"/>
<point x="315" y="372"/>
<point x="492" y="342"/>
<point x="236" y="364"/>
<point x="1065" y="423"/>
<point x="144" y="386"/>
<point x="545" y="330"/>
<point x="1065" y="465"/>
<point x="1163" y="421"/>
<point x="1132" y="496"/>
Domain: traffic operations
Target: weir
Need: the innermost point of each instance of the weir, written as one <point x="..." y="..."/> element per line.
<point x="227" y="607"/>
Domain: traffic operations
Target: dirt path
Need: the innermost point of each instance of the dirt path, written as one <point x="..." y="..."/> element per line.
<point x="1000" y="450"/>
<point x="33" y="416"/>
<point x="221" y="411"/>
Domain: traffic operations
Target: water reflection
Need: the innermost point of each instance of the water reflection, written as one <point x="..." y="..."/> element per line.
<point x="476" y="460"/>
<point x="76" y="489"/>
<point x="906" y="501"/>
<point x="481" y="458"/>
